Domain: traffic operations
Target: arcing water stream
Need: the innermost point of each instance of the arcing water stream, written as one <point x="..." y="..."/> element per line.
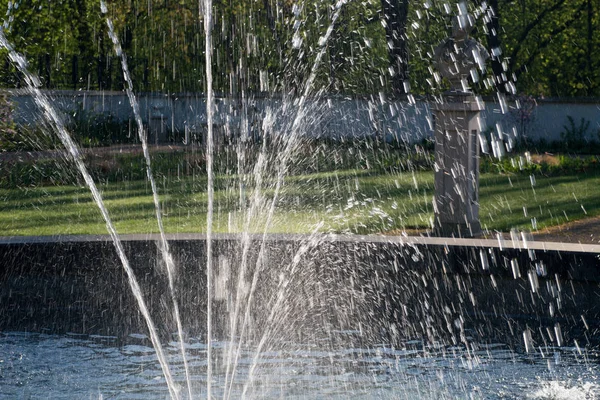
<point x="241" y="357"/>
<point x="290" y="142"/>
<point x="210" y="190"/>
<point x="163" y="244"/>
<point x="54" y="118"/>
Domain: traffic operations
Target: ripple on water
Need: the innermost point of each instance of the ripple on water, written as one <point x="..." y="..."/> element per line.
<point x="73" y="366"/>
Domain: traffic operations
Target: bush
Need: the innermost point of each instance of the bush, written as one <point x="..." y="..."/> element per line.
<point x="560" y="165"/>
<point x="7" y="126"/>
<point x="102" y="167"/>
<point x="574" y="136"/>
<point x="88" y="129"/>
<point x="15" y="174"/>
<point x="92" y="129"/>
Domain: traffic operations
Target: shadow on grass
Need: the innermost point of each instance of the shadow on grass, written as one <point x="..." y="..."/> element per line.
<point x="347" y="201"/>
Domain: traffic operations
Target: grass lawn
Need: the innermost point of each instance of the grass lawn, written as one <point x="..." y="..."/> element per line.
<point x="341" y="201"/>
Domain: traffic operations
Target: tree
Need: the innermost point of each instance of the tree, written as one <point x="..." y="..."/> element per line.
<point x="544" y="47"/>
<point x="549" y="46"/>
<point x="494" y="44"/>
<point x="394" y="16"/>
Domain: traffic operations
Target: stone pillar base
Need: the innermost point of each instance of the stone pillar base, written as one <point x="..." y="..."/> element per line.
<point x="457" y="128"/>
<point x="458" y="230"/>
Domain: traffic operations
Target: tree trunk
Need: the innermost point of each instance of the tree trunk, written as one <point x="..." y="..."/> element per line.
<point x="493" y="39"/>
<point x="83" y="61"/>
<point x="48" y="70"/>
<point x="74" y="71"/>
<point x="590" y="45"/>
<point x="395" y="13"/>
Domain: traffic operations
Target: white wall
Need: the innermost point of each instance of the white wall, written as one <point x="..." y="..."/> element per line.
<point x="333" y="117"/>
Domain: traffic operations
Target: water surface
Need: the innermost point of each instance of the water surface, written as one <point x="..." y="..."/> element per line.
<point x="95" y="367"/>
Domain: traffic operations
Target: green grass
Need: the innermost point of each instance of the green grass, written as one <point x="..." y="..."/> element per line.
<point x="342" y="201"/>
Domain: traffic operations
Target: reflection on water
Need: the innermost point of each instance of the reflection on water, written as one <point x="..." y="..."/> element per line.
<point x="73" y="366"/>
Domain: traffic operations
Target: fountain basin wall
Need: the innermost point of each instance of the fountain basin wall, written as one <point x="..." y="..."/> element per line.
<point x="380" y="288"/>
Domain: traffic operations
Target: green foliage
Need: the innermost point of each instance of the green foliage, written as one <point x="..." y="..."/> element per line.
<point x="575" y="136"/>
<point x="103" y="166"/>
<point x="15" y="137"/>
<point x="549" y="47"/>
<point x="92" y="129"/>
<point x="7" y="126"/>
<point x="561" y="165"/>
<point x="15" y="174"/>
<point x="32" y="138"/>
<point x="88" y="128"/>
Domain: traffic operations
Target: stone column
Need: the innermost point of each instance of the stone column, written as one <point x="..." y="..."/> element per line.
<point x="457" y="130"/>
<point x="460" y="59"/>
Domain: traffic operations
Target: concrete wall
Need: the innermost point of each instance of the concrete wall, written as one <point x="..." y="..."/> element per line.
<point x="386" y="288"/>
<point x="332" y="117"/>
<point x="549" y="117"/>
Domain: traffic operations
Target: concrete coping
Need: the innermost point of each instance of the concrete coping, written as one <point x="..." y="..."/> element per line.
<point x="329" y="238"/>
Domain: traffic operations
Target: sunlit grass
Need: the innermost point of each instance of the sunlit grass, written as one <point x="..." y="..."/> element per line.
<point x="343" y="202"/>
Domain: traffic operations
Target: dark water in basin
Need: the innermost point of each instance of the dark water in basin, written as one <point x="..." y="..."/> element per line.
<point x="96" y="367"/>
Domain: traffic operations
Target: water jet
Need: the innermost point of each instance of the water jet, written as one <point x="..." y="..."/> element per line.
<point x="256" y="314"/>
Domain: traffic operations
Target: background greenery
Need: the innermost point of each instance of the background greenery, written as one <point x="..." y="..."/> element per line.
<point x="360" y="187"/>
<point x="542" y="47"/>
<point x="347" y="201"/>
<point x="378" y="49"/>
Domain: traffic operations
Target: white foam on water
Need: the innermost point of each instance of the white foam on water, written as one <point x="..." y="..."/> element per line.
<point x="566" y="390"/>
<point x="54" y="366"/>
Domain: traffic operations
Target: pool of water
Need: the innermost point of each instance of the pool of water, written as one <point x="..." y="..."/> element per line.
<point x="98" y="367"/>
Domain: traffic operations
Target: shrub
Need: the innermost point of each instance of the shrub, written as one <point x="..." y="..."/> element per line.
<point x="7" y="127"/>
<point x="575" y="136"/>
<point x="524" y="115"/>
<point x="92" y="129"/>
<point x="560" y="165"/>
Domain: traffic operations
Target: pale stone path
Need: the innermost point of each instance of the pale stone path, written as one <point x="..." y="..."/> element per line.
<point x="586" y="231"/>
<point x="582" y="231"/>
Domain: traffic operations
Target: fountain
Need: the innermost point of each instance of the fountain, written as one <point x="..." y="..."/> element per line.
<point x="261" y="315"/>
